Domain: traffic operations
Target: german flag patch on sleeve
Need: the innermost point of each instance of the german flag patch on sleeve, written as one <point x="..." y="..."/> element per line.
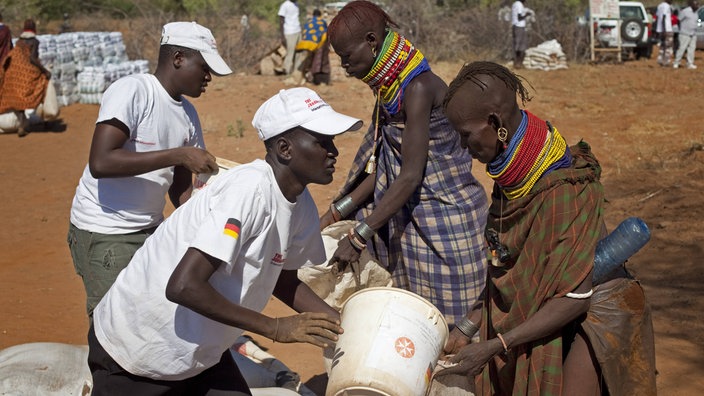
<point x="232" y="228"/>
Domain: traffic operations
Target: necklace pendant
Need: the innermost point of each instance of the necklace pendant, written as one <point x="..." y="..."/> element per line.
<point x="371" y="165"/>
<point x="495" y="259"/>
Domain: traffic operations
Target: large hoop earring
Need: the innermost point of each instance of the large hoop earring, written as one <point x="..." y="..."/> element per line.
<point x="502" y="134"/>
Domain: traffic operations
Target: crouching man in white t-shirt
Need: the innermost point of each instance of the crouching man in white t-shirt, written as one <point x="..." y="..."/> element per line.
<point x="208" y="271"/>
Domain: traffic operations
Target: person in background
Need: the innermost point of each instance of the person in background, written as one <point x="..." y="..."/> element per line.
<point x="688" y="35"/>
<point x="203" y="278"/>
<point x="147" y="144"/>
<point x="314" y="42"/>
<point x="66" y="24"/>
<point x="419" y="209"/>
<point x="675" y="30"/>
<point x="290" y="28"/>
<point x="519" y="13"/>
<point x="24" y="78"/>
<point x="664" y="30"/>
<point x="5" y="40"/>
<point x="544" y="327"/>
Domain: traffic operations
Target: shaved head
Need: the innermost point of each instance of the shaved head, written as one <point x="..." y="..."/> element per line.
<point x="357" y="18"/>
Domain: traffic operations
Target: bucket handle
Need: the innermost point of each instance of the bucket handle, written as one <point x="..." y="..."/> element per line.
<point x="433" y="316"/>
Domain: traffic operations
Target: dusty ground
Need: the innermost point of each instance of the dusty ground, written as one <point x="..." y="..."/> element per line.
<point x="644" y="123"/>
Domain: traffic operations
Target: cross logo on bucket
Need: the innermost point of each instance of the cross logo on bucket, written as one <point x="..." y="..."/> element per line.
<point x="405" y="347"/>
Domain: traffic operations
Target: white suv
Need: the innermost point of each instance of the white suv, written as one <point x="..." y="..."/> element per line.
<point x="636" y="30"/>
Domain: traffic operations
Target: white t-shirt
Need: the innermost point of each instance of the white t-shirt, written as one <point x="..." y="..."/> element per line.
<point x="243" y="219"/>
<point x="120" y="205"/>
<point x="289" y="10"/>
<point x="518" y="9"/>
<point x="664" y="14"/>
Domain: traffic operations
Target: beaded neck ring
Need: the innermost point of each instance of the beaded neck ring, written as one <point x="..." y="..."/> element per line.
<point x="536" y="148"/>
<point x="396" y="65"/>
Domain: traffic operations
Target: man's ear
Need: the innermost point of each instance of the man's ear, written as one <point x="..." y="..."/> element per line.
<point x="178" y="58"/>
<point x="282" y="148"/>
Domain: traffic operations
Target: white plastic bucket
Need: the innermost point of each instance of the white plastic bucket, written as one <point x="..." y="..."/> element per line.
<point x="391" y="344"/>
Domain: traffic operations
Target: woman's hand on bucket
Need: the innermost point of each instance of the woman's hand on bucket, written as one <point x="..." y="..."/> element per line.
<point x="319" y="329"/>
<point x="472" y="358"/>
<point x="456" y="341"/>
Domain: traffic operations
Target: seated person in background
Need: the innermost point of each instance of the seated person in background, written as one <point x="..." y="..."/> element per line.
<point x="208" y="271"/>
<point x="544" y="328"/>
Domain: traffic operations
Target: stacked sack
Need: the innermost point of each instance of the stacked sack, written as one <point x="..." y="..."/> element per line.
<point x="546" y="56"/>
<point x="94" y="80"/>
<point x="101" y="55"/>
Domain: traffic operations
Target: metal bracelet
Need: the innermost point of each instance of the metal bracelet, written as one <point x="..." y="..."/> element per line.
<point x="345" y="206"/>
<point x="354" y="240"/>
<point x="467" y="327"/>
<point x="364" y="230"/>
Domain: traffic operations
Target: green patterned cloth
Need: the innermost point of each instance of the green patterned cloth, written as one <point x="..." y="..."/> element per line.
<point x="551" y="235"/>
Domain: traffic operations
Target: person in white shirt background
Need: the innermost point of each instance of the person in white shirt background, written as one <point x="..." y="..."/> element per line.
<point x="688" y="36"/>
<point x="519" y="14"/>
<point x="664" y="30"/>
<point x="290" y="27"/>
<point x="147" y="142"/>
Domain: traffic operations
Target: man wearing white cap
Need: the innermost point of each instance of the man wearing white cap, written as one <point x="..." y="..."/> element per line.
<point x="209" y="270"/>
<point x="147" y="142"/>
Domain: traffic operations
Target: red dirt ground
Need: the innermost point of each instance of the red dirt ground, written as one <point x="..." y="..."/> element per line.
<point x="643" y="122"/>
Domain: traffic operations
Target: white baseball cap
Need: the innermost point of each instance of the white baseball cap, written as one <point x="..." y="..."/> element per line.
<point x="300" y="107"/>
<point x="194" y="36"/>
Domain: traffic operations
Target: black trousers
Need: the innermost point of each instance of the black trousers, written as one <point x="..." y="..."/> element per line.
<point x="110" y="379"/>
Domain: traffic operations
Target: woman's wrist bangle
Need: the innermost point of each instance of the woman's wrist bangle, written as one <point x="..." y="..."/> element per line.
<point x="364" y="230"/>
<point x="467" y="327"/>
<point x="344" y="207"/>
<point x="503" y="342"/>
<point x="355" y="241"/>
<point x="334" y="212"/>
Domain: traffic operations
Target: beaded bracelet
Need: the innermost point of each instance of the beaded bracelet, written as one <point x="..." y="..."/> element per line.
<point x="344" y="207"/>
<point x="467" y="327"/>
<point x="354" y="240"/>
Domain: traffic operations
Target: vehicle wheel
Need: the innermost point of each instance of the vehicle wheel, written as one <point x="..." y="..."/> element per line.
<point x="632" y="30"/>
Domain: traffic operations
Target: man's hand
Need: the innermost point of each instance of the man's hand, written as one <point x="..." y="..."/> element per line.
<point x="198" y="160"/>
<point x="314" y="328"/>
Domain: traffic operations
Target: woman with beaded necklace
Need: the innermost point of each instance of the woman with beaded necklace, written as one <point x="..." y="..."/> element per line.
<point x="544" y="328"/>
<point x="420" y="211"/>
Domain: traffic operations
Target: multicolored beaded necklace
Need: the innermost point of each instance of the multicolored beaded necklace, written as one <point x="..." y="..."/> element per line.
<point x="396" y="65"/>
<point x="535" y="149"/>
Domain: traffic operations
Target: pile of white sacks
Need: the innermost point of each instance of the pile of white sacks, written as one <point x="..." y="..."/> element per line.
<point x="84" y="64"/>
<point x="546" y="56"/>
